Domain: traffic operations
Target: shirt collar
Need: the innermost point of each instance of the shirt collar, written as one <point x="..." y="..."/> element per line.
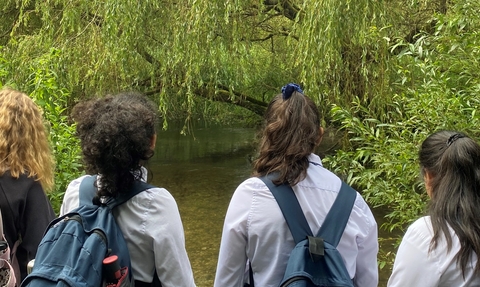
<point x="315" y="159"/>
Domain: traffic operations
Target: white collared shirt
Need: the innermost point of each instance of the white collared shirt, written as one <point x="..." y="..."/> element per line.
<point x="255" y="228"/>
<point x="153" y="230"/>
<point x="415" y="266"/>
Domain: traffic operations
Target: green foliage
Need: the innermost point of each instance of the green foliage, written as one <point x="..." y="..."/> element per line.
<point x="3" y="68"/>
<point x="393" y="71"/>
<point x="53" y="99"/>
<point x="43" y="87"/>
<point x="176" y="50"/>
<point x="345" y="49"/>
<point x="436" y="87"/>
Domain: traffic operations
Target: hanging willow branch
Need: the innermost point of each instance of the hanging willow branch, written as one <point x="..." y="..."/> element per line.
<point x="335" y="47"/>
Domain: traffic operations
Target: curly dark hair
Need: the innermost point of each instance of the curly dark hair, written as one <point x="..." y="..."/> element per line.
<point x="116" y="135"/>
<point x="290" y="134"/>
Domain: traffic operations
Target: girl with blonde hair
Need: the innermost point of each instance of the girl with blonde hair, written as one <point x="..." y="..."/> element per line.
<point x="26" y="172"/>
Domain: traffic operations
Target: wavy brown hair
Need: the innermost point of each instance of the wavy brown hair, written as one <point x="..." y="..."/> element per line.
<point x="24" y="146"/>
<point x="290" y="134"/>
<point x="453" y="161"/>
<point x="116" y="135"/>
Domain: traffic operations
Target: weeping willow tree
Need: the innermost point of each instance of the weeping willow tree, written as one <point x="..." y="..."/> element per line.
<point x="182" y="52"/>
<point x="383" y="65"/>
<point x="190" y="55"/>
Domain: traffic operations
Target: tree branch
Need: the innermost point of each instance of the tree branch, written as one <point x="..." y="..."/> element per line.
<point x="286" y="7"/>
<point x="225" y="96"/>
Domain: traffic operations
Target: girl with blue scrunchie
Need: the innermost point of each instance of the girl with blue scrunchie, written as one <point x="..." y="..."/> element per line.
<point x="255" y="232"/>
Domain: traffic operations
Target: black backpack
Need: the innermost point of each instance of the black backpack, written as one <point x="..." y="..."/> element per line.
<point x="315" y="260"/>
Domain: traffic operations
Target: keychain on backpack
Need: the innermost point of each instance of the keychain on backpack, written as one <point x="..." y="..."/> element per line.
<point x="7" y="272"/>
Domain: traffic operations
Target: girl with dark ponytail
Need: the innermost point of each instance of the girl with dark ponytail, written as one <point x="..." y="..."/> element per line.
<point x="441" y="248"/>
<point x="117" y="135"/>
<point x="255" y="230"/>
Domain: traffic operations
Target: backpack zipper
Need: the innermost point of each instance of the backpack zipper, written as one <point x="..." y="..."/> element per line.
<point x="293" y="279"/>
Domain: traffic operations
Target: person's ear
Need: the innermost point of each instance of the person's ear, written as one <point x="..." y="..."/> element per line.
<point x="320" y="136"/>
<point x="153" y="141"/>
<point x="427" y="178"/>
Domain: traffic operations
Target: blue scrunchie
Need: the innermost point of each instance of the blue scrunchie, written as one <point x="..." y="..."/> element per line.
<point x="288" y="90"/>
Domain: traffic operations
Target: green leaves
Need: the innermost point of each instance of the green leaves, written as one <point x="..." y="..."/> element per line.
<point x="42" y="85"/>
<point x="435" y="86"/>
<point x="44" y="89"/>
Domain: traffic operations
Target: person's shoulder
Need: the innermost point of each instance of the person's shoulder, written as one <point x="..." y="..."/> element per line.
<point x="74" y="185"/>
<point x="253" y="181"/>
<point x="320" y="176"/>
<point x="361" y="211"/>
<point x="157" y="193"/>
<point x="76" y="182"/>
<point x="21" y="184"/>
<point x="23" y="177"/>
<point x="252" y="185"/>
<point x="157" y="199"/>
<point x="71" y="197"/>
<point x="158" y="189"/>
<point x="420" y="231"/>
<point x="421" y="225"/>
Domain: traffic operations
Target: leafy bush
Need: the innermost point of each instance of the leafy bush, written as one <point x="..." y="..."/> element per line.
<point x="436" y="88"/>
<point x="52" y="98"/>
<point x="43" y="87"/>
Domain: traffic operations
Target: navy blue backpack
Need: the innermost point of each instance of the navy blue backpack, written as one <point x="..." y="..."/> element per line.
<point x="315" y="260"/>
<point x="74" y="246"/>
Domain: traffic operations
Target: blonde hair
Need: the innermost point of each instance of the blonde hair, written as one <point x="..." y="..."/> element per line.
<point x="24" y="147"/>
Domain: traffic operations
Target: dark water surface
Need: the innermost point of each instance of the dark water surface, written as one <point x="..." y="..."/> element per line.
<point x="202" y="171"/>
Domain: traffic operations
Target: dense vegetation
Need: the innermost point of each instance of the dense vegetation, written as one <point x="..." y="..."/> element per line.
<point x="436" y="87"/>
<point x="386" y="73"/>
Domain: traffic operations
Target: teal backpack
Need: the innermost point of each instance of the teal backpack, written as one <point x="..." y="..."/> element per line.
<point x="85" y="248"/>
<point x="315" y="260"/>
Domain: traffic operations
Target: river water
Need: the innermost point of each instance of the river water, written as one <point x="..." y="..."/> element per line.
<point x="201" y="171"/>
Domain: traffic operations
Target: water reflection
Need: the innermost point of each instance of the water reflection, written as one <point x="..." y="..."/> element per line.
<point x="202" y="172"/>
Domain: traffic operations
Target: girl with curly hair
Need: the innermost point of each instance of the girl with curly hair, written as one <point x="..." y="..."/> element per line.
<point x="26" y="172"/>
<point x="117" y="135"/>
<point x="255" y="229"/>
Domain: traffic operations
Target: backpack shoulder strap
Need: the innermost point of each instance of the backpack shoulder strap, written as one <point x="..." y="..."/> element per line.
<point x="335" y="221"/>
<point x="137" y="187"/>
<point x="290" y="207"/>
<point x="88" y="190"/>
<point x="337" y="218"/>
